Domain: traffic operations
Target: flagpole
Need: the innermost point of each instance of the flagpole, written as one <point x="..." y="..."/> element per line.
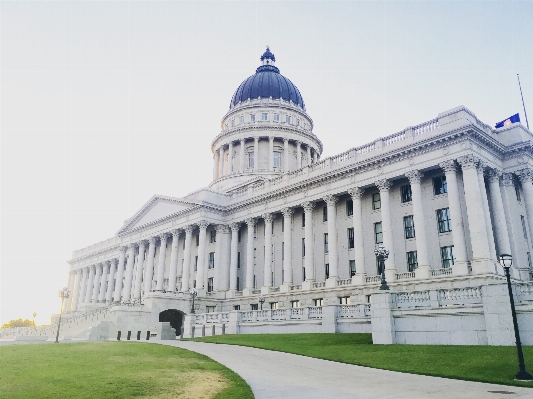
<point x="523" y="105"/>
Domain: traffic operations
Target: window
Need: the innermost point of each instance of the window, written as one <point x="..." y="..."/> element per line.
<point x="238" y="260"/>
<point x="380" y="265"/>
<point x="254" y="306"/>
<point x="327" y="270"/>
<point x="277" y="159"/>
<point x="252" y="118"/>
<point x="239" y="235"/>
<point x="345" y="300"/>
<point x="407" y="196"/>
<point x="376" y="201"/>
<point x="255" y="285"/>
<point x="238" y="284"/>
<point x="211" y="260"/>
<point x="303" y="219"/>
<point x="295" y="304"/>
<point x="529" y="260"/>
<point x="326" y="249"/>
<point x="276" y="117"/>
<point x="350" y="238"/>
<point x="210" y="309"/>
<point x="196" y="263"/>
<point x="409" y="227"/>
<point x="233" y="122"/>
<point x="352" y="268"/>
<point x="264" y="116"/>
<point x="250" y="159"/>
<point x="213" y="236"/>
<point x="297" y="122"/>
<point x="282" y="225"/>
<point x="273" y="305"/>
<point x="236" y="307"/>
<point x="303" y="248"/>
<point x="241" y="119"/>
<point x="378" y="233"/>
<point x="282" y="251"/>
<point x="303" y="274"/>
<point x="439" y="185"/>
<point x="517" y="191"/>
<point x="318" y="302"/>
<point x="524" y="229"/>
<point x="194" y="284"/>
<point x="412" y="261"/>
<point x="443" y="220"/>
<point x="288" y="119"/>
<point x="210" y="284"/>
<point x="349" y="208"/>
<point x="198" y="240"/>
<point x="325" y="214"/>
<point x="446" y="254"/>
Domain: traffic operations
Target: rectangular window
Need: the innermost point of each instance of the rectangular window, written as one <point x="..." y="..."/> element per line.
<point x="254" y="306"/>
<point x="273" y="305"/>
<point x="529" y="261"/>
<point x="303" y="219"/>
<point x="252" y="118"/>
<point x="194" y="283"/>
<point x="350" y="238"/>
<point x="325" y="214"/>
<point x="250" y="159"/>
<point x="213" y="236"/>
<point x="318" y="302"/>
<point x="264" y="116"/>
<point x="352" y="268"/>
<point x="380" y="265"/>
<point x="236" y="307"/>
<point x="326" y="248"/>
<point x="233" y="122"/>
<point x="444" y="222"/>
<point x="297" y="122"/>
<point x="303" y="274"/>
<point x="407" y="196"/>
<point x="198" y="240"/>
<point x="524" y="229"/>
<point x="376" y="201"/>
<point x="211" y="260"/>
<point x="288" y="119"/>
<point x="282" y="225"/>
<point x="409" y="227"/>
<point x="277" y="159"/>
<point x="439" y="185"/>
<point x="210" y="284"/>
<point x="276" y="117"/>
<point x="241" y="119"/>
<point x="378" y="233"/>
<point x="295" y="304"/>
<point x="239" y="235"/>
<point x="303" y="247"/>
<point x="210" y="309"/>
<point x="282" y="251"/>
<point x="344" y="300"/>
<point x="196" y="263"/>
<point x="412" y="261"/>
<point x="349" y="208"/>
<point x="446" y="254"/>
<point x="238" y="260"/>
<point x="238" y="284"/>
<point x="517" y="189"/>
<point x="255" y="285"/>
<point x="327" y="270"/>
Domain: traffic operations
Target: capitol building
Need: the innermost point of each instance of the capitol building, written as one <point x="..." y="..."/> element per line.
<point x="280" y="223"/>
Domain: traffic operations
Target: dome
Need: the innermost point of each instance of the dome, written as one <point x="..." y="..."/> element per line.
<point x="267" y="82"/>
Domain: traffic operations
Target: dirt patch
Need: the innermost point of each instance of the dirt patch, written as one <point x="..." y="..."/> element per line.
<point x="191" y="384"/>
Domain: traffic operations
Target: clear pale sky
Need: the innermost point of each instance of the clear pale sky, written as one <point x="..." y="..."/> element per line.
<point x="104" y="104"/>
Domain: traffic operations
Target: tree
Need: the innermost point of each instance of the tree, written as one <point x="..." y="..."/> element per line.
<point x="19" y="323"/>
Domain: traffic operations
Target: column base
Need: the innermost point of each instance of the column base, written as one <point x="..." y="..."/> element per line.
<point x="265" y="290"/>
<point x="483" y="266"/>
<point x="460" y="269"/>
<point x="390" y="275"/>
<point x="423" y="272"/>
<point x="307" y="285"/>
<point x="201" y="292"/>
<point x="359" y="279"/>
<point x="285" y="287"/>
<point x="247" y="292"/>
<point x="331" y="282"/>
<point x="230" y="294"/>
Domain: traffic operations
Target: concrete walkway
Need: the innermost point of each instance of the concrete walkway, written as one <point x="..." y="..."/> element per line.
<point x="282" y="375"/>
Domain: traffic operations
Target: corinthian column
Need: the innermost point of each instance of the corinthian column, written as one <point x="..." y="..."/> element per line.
<point x="331" y="201"/>
<point x="90" y="283"/>
<point x="270" y="153"/>
<point x="96" y="287"/>
<point x="149" y="273"/>
<point x="256" y="153"/>
<point x="186" y="260"/>
<point x="221" y="161"/>
<point x="77" y="288"/>
<point x="201" y="273"/>
<point x="111" y="281"/>
<point x="525" y="176"/>
<point x="173" y="262"/>
<point x="120" y="274"/>
<point x="267" y="271"/>
<point x="215" y="166"/>
<point x="161" y="263"/>
<point x="359" y="249"/>
<point x="486" y="212"/>
<point x="139" y="271"/>
<point x="83" y="286"/>
<point x="309" y="246"/>
<point x="222" y="258"/>
<point x="308" y="155"/>
<point x="129" y="272"/>
<point x="241" y="155"/>
<point x="386" y="224"/>
<point x="299" y="153"/>
<point x="287" y="249"/>
<point x="286" y="154"/>
<point x="250" y="223"/>
<point x="103" y="282"/>
<point x="233" y="257"/>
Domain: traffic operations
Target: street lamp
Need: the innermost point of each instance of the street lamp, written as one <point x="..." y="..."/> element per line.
<point x="381" y="255"/>
<point x="506" y="261"/>
<point x="63" y="294"/>
<point x="194" y="294"/>
<point x="34" y="325"/>
<point x="261" y="301"/>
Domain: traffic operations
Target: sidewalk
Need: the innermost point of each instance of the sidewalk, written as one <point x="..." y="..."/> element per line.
<point x="282" y="375"/>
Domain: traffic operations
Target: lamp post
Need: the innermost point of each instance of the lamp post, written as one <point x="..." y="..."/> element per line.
<point x="63" y="294"/>
<point x="193" y="294"/>
<point x="381" y="255"/>
<point x="34" y="325"/>
<point x="506" y="261"/>
<point x="261" y="301"/>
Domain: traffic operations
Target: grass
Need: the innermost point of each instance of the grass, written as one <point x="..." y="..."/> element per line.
<point x="114" y="370"/>
<point x="495" y="364"/>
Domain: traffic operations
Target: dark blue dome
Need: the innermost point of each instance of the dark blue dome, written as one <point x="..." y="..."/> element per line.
<point x="267" y="82"/>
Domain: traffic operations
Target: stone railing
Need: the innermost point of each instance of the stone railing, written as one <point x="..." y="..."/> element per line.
<point x="372" y="279"/>
<point x="438" y="298"/>
<point x="354" y="311"/>
<point x="459" y="296"/>
<point x="410" y="300"/>
<point x="524" y="293"/>
<point x="426" y="127"/>
<point x="441" y="272"/>
<point x="321" y="284"/>
<point x="405" y="276"/>
<point x="315" y="312"/>
<point x="296" y="287"/>
<point x="343" y="282"/>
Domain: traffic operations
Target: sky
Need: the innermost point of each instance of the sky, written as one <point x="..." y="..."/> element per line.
<point x="106" y="103"/>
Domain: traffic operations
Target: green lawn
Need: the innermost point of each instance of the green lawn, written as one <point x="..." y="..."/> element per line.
<point x="476" y="363"/>
<point x="114" y="370"/>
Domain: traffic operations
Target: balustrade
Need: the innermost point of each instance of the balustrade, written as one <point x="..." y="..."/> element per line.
<point x="408" y="300"/>
<point x="405" y="276"/>
<point x="441" y="272"/>
<point x="459" y="296"/>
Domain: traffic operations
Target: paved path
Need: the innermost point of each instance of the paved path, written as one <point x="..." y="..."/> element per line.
<point x="283" y="375"/>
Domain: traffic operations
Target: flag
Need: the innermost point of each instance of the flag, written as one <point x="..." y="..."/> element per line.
<point x="512" y="119"/>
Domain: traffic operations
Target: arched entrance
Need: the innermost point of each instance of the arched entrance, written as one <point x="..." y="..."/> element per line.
<point x="175" y="317"/>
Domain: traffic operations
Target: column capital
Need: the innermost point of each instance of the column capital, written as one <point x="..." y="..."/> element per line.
<point x="268" y="217"/>
<point x="383" y="185"/>
<point x="525" y="175"/>
<point x="189" y="229"/>
<point x="494" y="175"/>
<point x="468" y="161"/>
<point x="122" y="249"/>
<point x="308" y="206"/>
<point x="114" y="261"/>
<point x="414" y="176"/>
<point x="285" y="140"/>
<point x="235" y="226"/>
<point x="222" y="228"/>
<point x="448" y="166"/>
<point x="92" y="267"/>
<point x="331" y="199"/>
<point x="298" y="143"/>
<point x="287" y="212"/>
<point x="163" y="237"/>
<point x="152" y="240"/>
<point x="132" y="246"/>
<point x="507" y="179"/>
<point x="271" y="138"/>
<point x="203" y="224"/>
<point x="251" y="222"/>
<point x="356" y="192"/>
<point x="175" y="233"/>
<point x="142" y="243"/>
<point x="256" y="139"/>
<point x="107" y="262"/>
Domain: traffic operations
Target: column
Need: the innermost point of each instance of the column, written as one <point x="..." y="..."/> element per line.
<point x="120" y="274"/>
<point x="111" y="281"/>
<point x="173" y="271"/>
<point x="308" y="155"/>
<point x="359" y="252"/>
<point x="476" y="218"/>
<point x="286" y="154"/>
<point x="230" y="158"/>
<point x="287" y="248"/>
<point x="315" y="156"/>
<point x="215" y="166"/>
<point x="149" y="273"/>
<point x="187" y="260"/>
<point x="267" y="272"/>
<point x="500" y="224"/>
<point x="161" y="263"/>
<point x="331" y="201"/>
<point x="221" y="161"/>
<point x="139" y="271"/>
<point x="90" y="283"/>
<point x="77" y="288"/>
<point x="386" y="225"/>
<point x="486" y="212"/>
<point x="250" y="223"/>
<point x="83" y="286"/>
<point x="299" y="154"/>
<point x="233" y="257"/>
<point x="96" y="285"/>
<point x="103" y="282"/>
<point x="271" y="153"/>
<point x="200" y="275"/>
<point x="525" y="176"/>
<point x="309" y="262"/>
<point x="222" y="258"/>
<point x="68" y="303"/>
<point x="422" y="254"/>
<point x="241" y="155"/>
<point x="130" y="255"/>
<point x="256" y="153"/>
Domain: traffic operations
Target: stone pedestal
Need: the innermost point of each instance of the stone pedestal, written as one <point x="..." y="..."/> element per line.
<point x="329" y="318"/>
<point x="230" y="294"/>
<point x="307" y="285"/>
<point x="498" y="317"/>
<point x="359" y="278"/>
<point x="247" y="292"/>
<point x="422" y="272"/>
<point x="285" y="288"/>
<point x="383" y="329"/>
<point x="266" y="290"/>
<point x="460" y="269"/>
<point x="390" y="275"/>
<point x="331" y="282"/>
